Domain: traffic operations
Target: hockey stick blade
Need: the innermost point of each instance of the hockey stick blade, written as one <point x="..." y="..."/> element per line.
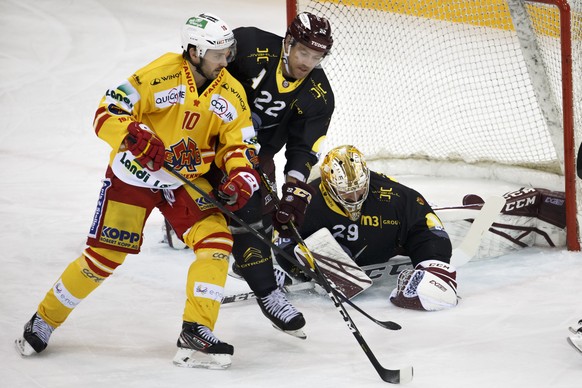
<point x="390" y="325"/>
<point x="482" y="222"/>
<point x="400" y="376"/>
<point x="251" y="295"/>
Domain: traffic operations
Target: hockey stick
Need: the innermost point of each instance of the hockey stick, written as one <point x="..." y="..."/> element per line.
<point x="388" y="375"/>
<point x="317" y="277"/>
<point x="251" y="295"/>
<point x="385" y="324"/>
<point x="470" y="244"/>
<point x="394" y="376"/>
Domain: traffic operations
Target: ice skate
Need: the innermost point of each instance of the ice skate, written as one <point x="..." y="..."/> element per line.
<point x="282" y="314"/>
<point x="576" y="338"/>
<point x="35" y="337"/>
<point x="198" y="347"/>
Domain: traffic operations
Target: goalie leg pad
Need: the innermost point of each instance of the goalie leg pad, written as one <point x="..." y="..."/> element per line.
<point x="431" y="286"/>
<point x="337" y="266"/>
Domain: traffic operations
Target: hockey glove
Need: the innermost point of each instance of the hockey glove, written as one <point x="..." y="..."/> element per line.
<point x="148" y="150"/>
<point x="296" y="197"/>
<point x="430" y="286"/>
<point x="240" y="185"/>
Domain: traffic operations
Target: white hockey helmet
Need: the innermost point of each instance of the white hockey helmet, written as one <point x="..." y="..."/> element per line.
<point x="346" y="177"/>
<point x="208" y="32"/>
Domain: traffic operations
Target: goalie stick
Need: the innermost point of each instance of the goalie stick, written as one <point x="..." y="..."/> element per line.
<point x="398" y="376"/>
<point x="482" y="222"/>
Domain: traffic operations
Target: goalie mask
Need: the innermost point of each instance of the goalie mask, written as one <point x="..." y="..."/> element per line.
<point x="346" y="177"/>
<point x="208" y="32"/>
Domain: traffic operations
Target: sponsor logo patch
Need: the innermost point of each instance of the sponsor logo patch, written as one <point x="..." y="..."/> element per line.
<point x="208" y="291"/>
<point x="64" y="296"/>
<point x="169" y="97"/>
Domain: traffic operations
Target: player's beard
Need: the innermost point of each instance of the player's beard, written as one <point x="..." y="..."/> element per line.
<point x="209" y="75"/>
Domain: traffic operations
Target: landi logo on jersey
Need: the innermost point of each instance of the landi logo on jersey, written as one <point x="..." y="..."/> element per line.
<point x="170" y="97"/>
<point x="184" y="155"/>
<point x="222" y="108"/>
<point x="125" y="94"/>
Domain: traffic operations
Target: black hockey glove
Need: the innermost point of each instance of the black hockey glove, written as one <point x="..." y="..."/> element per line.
<point x="296" y="196"/>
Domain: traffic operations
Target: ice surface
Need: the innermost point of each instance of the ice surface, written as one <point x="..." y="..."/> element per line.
<point x="57" y="58"/>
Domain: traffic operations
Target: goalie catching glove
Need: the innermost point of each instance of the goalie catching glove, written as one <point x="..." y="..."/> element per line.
<point x="240" y="185"/>
<point x="147" y="148"/>
<point x="296" y="196"/>
<point x="430" y="286"/>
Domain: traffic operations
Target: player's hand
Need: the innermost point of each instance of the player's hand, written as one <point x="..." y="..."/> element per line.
<point x="240" y="185"/>
<point x="296" y="196"/>
<point x="148" y="150"/>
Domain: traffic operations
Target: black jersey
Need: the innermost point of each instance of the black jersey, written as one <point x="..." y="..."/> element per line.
<point x="395" y="220"/>
<point x="285" y="111"/>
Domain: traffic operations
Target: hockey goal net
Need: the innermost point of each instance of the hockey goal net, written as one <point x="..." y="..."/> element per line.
<point x="491" y="87"/>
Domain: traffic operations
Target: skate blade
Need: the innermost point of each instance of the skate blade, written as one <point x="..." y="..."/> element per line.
<point x="299" y="333"/>
<point x="576" y="342"/>
<point x="189" y="358"/>
<point x="24" y="347"/>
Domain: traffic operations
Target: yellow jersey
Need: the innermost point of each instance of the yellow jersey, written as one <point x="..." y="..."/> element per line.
<point x="197" y="127"/>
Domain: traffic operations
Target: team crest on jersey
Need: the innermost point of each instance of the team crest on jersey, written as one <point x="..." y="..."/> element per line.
<point x="318" y="91"/>
<point x="184" y="155"/>
<point x="252" y="157"/>
<point x="385" y="195"/>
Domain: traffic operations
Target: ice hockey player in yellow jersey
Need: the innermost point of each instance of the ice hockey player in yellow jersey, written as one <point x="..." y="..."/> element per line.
<point x="185" y="111"/>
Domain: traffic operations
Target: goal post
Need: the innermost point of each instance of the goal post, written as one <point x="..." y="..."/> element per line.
<point x="489" y="88"/>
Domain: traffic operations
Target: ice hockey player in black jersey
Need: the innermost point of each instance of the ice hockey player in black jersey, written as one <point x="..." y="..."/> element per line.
<point x="374" y="218"/>
<point x="291" y="102"/>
